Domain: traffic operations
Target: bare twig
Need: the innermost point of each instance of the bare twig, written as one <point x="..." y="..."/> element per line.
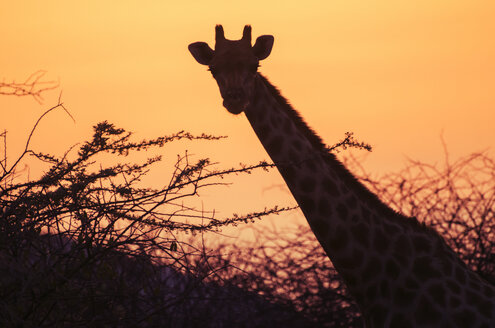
<point x="33" y="86"/>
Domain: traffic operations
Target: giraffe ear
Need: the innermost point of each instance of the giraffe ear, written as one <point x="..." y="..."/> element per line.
<point x="263" y="46"/>
<point x="202" y="52"/>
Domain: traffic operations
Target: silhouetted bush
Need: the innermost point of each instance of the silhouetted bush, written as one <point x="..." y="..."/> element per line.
<point x="288" y="266"/>
<point x="86" y="244"/>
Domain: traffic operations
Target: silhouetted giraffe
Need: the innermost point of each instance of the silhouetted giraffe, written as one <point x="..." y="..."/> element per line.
<point x="401" y="273"/>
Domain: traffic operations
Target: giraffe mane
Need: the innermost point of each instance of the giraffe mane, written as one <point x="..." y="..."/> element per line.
<point x="301" y="125"/>
<point x="317" y="142"/>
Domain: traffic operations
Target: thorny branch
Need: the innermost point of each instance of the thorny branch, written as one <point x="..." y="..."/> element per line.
<point x="33" y="86"/>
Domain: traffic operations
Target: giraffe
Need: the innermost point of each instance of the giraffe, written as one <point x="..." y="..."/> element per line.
<point x="400" y="272"/>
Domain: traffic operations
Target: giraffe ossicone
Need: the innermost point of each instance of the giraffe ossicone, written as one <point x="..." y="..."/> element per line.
<point x="401" y="273"/>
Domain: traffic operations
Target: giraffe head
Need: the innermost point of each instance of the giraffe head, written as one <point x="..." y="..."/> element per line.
<point x="234" y="65"/>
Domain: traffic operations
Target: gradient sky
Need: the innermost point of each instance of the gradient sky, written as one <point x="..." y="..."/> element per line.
<point x="398" y="74"/>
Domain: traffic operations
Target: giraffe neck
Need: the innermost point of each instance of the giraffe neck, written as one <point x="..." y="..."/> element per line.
<point x="338" y="208"/>
<point x="384" y="257"/>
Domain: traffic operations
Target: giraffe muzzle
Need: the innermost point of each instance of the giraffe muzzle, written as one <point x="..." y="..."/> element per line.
<point x="235" y="106"/>
<point x="235" y="101"/>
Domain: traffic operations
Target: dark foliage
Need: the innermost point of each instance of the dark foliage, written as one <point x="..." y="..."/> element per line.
<point x="86" y="245"/>
<point x="288" y="266"/>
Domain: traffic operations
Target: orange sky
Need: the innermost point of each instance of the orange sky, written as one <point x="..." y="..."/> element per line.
<point x="397" y="74"/>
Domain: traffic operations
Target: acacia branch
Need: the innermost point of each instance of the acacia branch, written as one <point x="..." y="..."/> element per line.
<point x="33" y="86"/>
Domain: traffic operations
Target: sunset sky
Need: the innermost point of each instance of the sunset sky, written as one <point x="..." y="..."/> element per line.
<point x="398" y="74"/>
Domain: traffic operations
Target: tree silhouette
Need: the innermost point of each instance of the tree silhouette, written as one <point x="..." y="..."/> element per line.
<point x="88" y="244"/>
<point x="71" y="233"/>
